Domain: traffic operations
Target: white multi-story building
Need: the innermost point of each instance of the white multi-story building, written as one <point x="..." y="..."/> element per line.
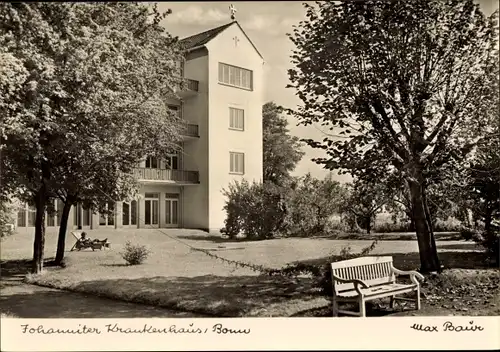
<point x="222" y="108"/>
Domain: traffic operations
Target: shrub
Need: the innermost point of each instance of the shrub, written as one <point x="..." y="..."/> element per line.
<point x="449" y="225"/>
<point x="468" y="234"/>
<point x="490" y="241"/>
<point x="312" y="205"/>
<point x="7" y="219"/>
<point x="336" y="227"/>
<point x="258" y="210"/>
<point x="135" y="254"/>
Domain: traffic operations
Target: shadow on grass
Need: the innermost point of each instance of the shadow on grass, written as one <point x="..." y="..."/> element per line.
<point x="39" y="302"/>
<point x="462" y="246"/>
<point x="13" y="268"/>
<point x="221" y="296"/>
<point x="218" y="239"/>
<point x="208" y="294"/>
<point x="115" y="265"/>
<point x="20" y="267"/>
<point x="411" y="261"/>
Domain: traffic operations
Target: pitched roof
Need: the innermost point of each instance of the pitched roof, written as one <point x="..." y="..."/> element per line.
<point x="204" y="37"/>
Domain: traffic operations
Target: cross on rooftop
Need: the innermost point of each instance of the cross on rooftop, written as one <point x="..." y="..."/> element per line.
<point x="233" y="10"/>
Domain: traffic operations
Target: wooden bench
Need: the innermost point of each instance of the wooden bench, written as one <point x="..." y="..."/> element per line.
<point x="364" y="279"/>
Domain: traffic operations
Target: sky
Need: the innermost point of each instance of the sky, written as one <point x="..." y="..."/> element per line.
<point x="266" y="23"/>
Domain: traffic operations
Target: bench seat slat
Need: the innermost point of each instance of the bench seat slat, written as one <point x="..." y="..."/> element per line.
<point x="375" y="290"/>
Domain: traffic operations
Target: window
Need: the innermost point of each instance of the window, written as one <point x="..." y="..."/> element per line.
<point x="179" y="67"/>
<point x="236" y="119"/>
<point x="172" y="162"/>
<point x="76" y="211"/>
<point x="133" y="212"/>
<point x="108" y="218"/>
<point x="236" y="163"/>
<point x="59" y="210"/>
<point x="151" y="162"/>
<point x="235" y="76"/>
<point x="176" y="109"/>
<point x="21" y="216"/>
<point x="31" y="216"/>
<point x="171" y="209"/>
<point x="125" y="214"/>
<point x="86" y="217"/>
<point x="51" y="217"/>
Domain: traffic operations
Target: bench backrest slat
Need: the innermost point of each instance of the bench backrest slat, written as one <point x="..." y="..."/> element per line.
<point x="372" y="270"/>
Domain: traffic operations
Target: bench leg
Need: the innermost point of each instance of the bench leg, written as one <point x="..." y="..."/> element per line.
<point x="335" y="307"/>
<point x="393" y="302"/>
<point x="362" y="308"/>
<point x="417" y="300"/>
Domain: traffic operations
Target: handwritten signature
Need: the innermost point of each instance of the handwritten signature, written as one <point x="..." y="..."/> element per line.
<point x="448" y="326"/>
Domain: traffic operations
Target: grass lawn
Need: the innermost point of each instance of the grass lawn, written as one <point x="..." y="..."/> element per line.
<point x="175" y="276"/>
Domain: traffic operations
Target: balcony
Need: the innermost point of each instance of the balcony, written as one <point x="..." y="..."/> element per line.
<point x="190" y="130"/>
<point x="180" y="177"/>
<point x="189" y="89"/>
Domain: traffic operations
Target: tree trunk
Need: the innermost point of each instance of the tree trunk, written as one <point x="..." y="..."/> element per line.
<point x="488" y="218"/>
<point x="430" y="223"/>
<point x="39" y="243"/>
<point x="356" y="225"/>
<point x="61" y="239"/>
<point x="369" y="225"/>
<point x="412" y="224"/>
<point x="429" y="260"/>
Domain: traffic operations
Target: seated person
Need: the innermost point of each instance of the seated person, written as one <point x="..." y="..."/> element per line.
<point x="84" y="238"/>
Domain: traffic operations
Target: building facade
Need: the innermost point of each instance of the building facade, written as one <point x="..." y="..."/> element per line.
<point x="222" y="109"/>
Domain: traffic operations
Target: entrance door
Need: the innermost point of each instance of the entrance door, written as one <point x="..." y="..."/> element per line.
<point x="151" y="209"/>
<point x="172" y="212"/>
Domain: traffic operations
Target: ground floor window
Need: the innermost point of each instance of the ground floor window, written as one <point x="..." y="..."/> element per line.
<point x="129" y="213"/>
<point x="171" y="209"/>
<point x="26" y="215"/>
<point x="86" y="217"/>
<point x="107" y="219"/>
<point x="51" y="217"/>
<point x="76" y="213"/>
<point x="151" y="208"/>
<point x="21" y="216"/>
<point x="31" y="216"/>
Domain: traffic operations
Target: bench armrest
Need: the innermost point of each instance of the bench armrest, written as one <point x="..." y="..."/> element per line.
<point x="413" y="274"/>
<point x="356" y="283"/>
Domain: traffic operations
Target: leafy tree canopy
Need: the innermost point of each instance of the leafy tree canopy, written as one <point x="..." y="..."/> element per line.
<point x="407" y="85"/>
<point x="282" y="151"/>
<point x="82" y="97"/>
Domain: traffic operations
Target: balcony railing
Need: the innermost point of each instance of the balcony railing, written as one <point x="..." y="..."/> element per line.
<point x="188" y="89"/>
<point x="176" y="176"/>
<point x="192" y="84"/>
<point x="190" y="130"/>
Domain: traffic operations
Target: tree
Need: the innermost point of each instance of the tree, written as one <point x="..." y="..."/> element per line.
<point x="282" y="151"/>
<point x="255" y="209"/>
<point x="364" y="201"/>
<point x="406" y="85"/>
<point x="311" y="204"/>
<point x="81" y="83"/>
<point x="483" y="181"/>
